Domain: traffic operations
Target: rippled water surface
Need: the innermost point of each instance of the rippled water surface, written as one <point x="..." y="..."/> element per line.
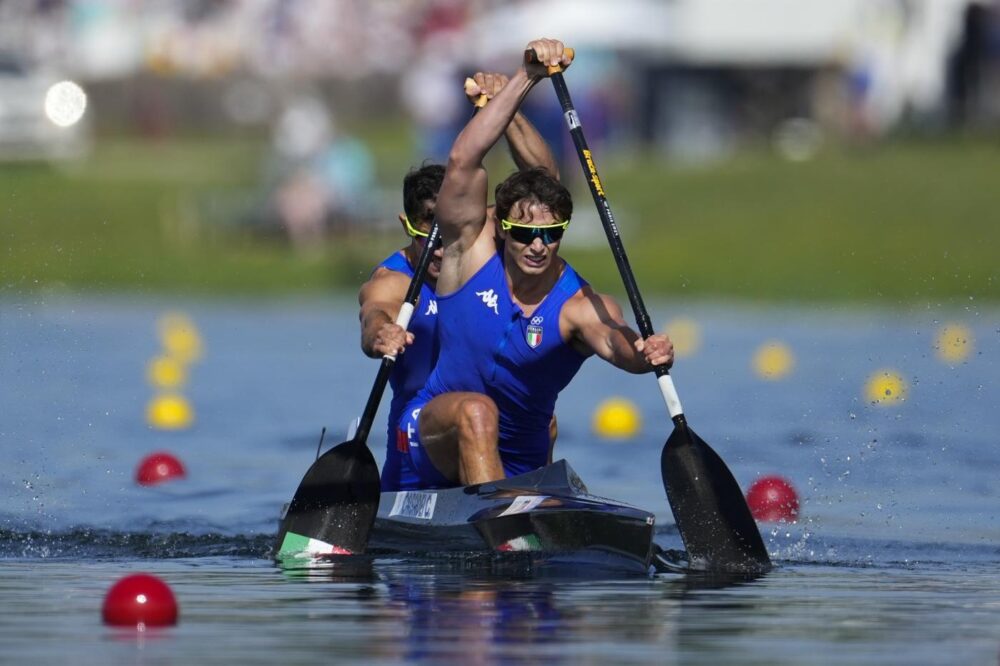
<point x="895" y="558"/>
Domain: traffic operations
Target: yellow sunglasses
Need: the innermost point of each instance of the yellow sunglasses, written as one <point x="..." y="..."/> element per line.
<point x="413" y="231"/>
<point x="527" y="233"/>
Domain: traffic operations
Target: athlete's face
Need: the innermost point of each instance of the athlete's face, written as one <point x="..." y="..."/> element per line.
<point x="533" y="257"/>
<point x="418" y="231"/>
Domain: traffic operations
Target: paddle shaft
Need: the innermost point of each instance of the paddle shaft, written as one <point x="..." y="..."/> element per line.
<point x="614" y="239"/>
<point x="711" y="514"/>
<point x="403" y="320"/>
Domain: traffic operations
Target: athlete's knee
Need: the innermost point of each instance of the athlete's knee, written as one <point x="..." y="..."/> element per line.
<point x="478" y="417"/>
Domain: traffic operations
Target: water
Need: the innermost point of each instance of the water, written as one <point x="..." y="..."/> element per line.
<point x="894" y="559"/>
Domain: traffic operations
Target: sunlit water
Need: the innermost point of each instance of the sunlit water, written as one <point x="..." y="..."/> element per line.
<point x="895" y="558"/>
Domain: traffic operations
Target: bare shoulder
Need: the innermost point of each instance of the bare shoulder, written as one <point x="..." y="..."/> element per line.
<point x="384" y="284"/>
<point x="587" y="307"/>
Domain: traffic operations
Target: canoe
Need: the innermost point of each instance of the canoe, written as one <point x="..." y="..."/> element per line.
<point x="546" y="515"/>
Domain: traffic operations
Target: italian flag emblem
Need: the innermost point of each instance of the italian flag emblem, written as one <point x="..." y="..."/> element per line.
<point x="533" y="336"/>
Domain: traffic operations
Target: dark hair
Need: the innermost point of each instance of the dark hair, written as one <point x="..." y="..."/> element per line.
<point x="420" y="190"/>
<point x="534" y="186"/>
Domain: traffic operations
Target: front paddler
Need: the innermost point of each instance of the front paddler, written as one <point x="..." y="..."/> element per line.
<point x="382" y="295"/>
<point x="515" y="321"/>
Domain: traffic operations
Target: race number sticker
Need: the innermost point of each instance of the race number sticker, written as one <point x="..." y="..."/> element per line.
<point x="572" y="120"/>
<point x="414" y="505"/>
<point x="523" y="503"/>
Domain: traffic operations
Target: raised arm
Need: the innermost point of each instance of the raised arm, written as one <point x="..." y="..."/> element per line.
<point x="527" y="147"/>
<point x="461" y="207"/>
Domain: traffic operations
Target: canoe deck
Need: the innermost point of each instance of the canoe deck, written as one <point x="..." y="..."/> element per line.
<point x="547" y="513"/>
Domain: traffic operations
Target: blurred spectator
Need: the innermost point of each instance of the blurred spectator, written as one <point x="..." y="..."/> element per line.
<point x="431" y="87"/>
<point x="322" y="179"/>
<point x="301" y="205"/>
<point x="431" y="91"/>
<point x="974" y="66"/>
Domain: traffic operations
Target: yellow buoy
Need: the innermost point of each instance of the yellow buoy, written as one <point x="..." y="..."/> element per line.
<point x="686" y="336"/>
<point x="616" y="418"/>
<point x="166" y="372"/>
<point x="886" y="387"/>
<point x="773" y="360"/>
<point x="169" y="411"/>
<point x="954" y="343"/>
<point x="180" y="337"/>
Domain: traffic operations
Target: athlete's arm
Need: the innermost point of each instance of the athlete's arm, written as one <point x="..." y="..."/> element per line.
<point x="527" y="147"/>
<point x="595" y="325"/>
<point x="461" y="206"/>
<point x="381" y="298"/>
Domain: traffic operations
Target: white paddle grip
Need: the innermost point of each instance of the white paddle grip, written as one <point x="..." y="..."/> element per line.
<point x="403" y="318"/>
<point x="670" y="397"/>
<point x="403" y="321"/>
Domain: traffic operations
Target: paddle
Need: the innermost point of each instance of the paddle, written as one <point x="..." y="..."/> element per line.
<point x="711" y="513"/>
<point x="335" y="505"/>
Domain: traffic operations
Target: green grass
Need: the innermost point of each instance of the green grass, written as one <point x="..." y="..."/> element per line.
<point x="908" y="223"/>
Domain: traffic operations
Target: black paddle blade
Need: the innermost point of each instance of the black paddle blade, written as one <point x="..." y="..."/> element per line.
<point x="335" y="504"/>
<point x="712" y="515"/>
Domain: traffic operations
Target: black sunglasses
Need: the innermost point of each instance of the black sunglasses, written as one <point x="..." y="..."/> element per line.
<point x="527" y="233"/>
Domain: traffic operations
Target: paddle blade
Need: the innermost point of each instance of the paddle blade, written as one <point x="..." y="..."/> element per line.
<point x="712" y="515"/>
<point x="334" y="508"/>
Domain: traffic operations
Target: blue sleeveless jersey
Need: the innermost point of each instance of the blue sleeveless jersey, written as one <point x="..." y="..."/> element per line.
<point x="409" y="373"/>
<point x="522" y="363"/>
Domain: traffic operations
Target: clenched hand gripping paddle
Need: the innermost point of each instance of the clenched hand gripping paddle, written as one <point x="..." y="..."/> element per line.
<point x="711" y="513"/>
<point x="335" y="505"/>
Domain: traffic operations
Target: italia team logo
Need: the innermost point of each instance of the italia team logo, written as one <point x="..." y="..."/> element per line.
<point x="533" y="336"/>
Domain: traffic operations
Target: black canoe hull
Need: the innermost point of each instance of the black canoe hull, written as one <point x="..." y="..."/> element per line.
<point x="547" y="514"/>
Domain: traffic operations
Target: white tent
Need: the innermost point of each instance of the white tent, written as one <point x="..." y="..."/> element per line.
<point x="902" y="47"/>
<point x="746" y="32"/>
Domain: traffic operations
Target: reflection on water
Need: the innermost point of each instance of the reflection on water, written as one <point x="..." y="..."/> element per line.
<point x="894" y="560"/>
<point x="235" y="611"/>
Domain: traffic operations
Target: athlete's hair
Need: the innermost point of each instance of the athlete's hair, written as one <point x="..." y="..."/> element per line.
<point x="533" y="186"/>
<point x="420" y="190"/>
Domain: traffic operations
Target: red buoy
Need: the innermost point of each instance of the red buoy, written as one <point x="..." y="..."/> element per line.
<point x="140" y="600"/>
<point x="159" y="467"/>
<point x="772" y="498"/>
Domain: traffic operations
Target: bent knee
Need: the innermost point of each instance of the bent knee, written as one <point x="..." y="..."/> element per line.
<point x="478" y="413"/>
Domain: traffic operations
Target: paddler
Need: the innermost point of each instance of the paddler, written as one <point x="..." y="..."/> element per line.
<point x="515" y="321"/>
<point x="383" y="294"/>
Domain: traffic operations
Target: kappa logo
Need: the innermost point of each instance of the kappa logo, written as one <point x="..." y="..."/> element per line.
<point x="489" y="299"/>
<point x="432" y="308"/>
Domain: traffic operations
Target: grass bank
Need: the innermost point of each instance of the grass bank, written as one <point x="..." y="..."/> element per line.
<point x="908" y="223"/>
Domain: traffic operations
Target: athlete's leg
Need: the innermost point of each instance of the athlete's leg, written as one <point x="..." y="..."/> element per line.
<point x="553" y="434"/>
<point x="458" y="432"/>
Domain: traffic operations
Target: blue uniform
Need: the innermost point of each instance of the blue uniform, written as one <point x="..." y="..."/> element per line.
<point x="409" y="373"/>
<point x="488" y="346"/>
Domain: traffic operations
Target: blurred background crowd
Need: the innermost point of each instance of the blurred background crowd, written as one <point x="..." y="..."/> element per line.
<point x="693" y="80"/>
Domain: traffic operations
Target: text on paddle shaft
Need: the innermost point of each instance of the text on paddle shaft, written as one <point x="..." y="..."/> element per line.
<point x="593" y="173"/>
